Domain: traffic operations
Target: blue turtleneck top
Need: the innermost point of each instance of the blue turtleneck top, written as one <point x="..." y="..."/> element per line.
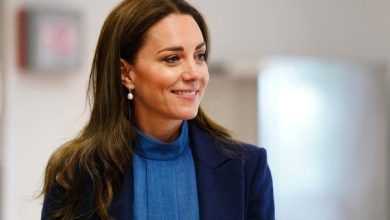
<point x="164" y="179"/>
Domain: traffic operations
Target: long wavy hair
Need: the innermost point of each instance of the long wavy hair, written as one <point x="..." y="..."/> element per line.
<point x="101" y="154"/>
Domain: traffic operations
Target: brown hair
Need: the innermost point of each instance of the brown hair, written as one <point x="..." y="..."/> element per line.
<point x="101" y="154"/>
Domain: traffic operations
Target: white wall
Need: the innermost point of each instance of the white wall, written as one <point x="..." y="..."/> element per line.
<point x="43" y="110"/>
<point x="1" y="97"/>
<point x="232" y="102"/>
<point x="327" y="127"/>
<point x="355" y="30"/>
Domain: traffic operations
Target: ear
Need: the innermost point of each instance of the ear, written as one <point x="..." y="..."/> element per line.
<point x="127" y="74"/>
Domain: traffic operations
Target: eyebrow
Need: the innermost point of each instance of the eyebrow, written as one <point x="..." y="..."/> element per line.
<point x="180" y="48"/>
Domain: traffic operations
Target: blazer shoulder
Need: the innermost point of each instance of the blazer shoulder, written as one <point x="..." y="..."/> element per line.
<point x="260" y="191"/>
<point x="260" y="151"/>
<point x="254" y="154"/>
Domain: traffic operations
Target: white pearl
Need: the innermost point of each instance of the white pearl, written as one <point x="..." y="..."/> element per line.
<point x="130" y="96"/>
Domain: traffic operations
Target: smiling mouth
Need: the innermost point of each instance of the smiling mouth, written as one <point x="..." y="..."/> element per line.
<point x="189" y="93"/>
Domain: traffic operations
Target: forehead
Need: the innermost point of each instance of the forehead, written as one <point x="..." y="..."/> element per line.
<point x="174" y="30"/>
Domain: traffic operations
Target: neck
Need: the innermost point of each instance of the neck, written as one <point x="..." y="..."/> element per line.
<point x="163" y="130"/>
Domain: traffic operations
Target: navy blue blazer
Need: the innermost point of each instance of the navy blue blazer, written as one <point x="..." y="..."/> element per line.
<point x="228" y="188"/>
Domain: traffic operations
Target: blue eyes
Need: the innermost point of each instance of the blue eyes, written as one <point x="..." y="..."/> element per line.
<point x="172" y="59"/>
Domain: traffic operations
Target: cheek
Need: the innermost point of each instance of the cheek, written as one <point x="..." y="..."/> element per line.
<point x="152" y="77"/>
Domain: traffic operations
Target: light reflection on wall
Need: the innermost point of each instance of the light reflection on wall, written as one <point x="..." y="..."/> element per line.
<point x="325" y="127"/>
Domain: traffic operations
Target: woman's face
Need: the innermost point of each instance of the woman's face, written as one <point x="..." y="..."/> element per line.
<point x="170" y="74"/>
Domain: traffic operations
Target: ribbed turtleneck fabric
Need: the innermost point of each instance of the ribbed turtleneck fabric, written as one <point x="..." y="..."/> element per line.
<point x="164" y="179"/>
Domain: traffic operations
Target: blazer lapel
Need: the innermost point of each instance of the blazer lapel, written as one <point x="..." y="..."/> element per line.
<point x="219" y="178"/>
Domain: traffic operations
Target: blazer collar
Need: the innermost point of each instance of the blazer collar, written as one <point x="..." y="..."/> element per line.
<point x="204" y="147"/>
<point x="216" y="200"/>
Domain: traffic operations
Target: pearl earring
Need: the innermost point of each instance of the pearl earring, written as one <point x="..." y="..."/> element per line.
<point x="130" y="95"/>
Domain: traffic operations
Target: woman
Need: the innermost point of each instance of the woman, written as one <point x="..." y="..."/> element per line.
<point x="148" y="150"/>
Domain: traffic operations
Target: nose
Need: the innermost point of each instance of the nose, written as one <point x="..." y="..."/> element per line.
<point x="193" y="71"/>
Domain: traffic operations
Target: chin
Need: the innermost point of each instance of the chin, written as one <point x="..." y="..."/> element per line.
<point x="188" y="115"/>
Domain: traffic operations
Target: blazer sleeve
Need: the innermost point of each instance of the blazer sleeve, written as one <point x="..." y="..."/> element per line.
<point x="55" y="199"/>
<point x="261" y="199"/>
<point x="51" y="202"/>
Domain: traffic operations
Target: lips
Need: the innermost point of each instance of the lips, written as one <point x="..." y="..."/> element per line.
<point x="181" y="92"/>
<point x="186" y="92"/>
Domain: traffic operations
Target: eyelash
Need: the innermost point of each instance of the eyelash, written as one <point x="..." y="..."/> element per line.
<point x="174" y="58"/>
<point x="202" y="57"/>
